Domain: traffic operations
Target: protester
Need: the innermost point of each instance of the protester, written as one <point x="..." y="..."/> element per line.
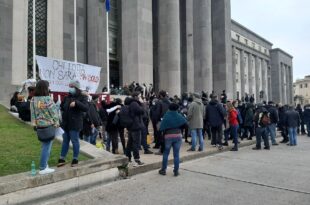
<point x="13" y="102"/>
<point x="301" y="128"/>
<point x="44" y="114"/>
<point x="24" y="107"/>
<point x="171" y="127"/>
<point x="307" y="117"/>
<point x="282" y="123"/>
<point x="248" y="123"/>
<point x="292" y="121"/>
<point x="92" y="122"/>
<point x="73" y="108"/>
<point x="233" y="124"/>
<point x="134" y="131"/>
<point x="162" y="108"/>
<point x="111" y="127"/>
<point x="215" y="115"/>
<point x="274" y="118"/>
<point x="261" y="120"/>
<point x="195" y="121"/>
<point x="154" y="116"/>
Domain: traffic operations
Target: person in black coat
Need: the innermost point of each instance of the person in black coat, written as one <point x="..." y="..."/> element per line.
<point x="111" y="127"/>
<point x="215" y="117"/>
<point x="92" y="122"/>
<point x="134" y="132"/>
<point x="274" y="119"/>
<point x="281" y="124"/>
<point x="73" y="107"/>
<point x="302" y="123"/>
<point x="306" y="117"/>
<point x="292" y="121"/>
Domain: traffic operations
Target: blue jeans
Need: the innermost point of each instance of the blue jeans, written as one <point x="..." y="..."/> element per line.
<point x="194" y="133"/>
<point x="108" y="142"/>
<point x="175" y="143"/>
<point x="271" y="129"/>
<point x="234" y="134"/>
<point x="93" y="136"/>
<point x="261" y="132"/>
<point x="74" y="137"/>
<point x="292" y="132"/>
<point x="226" y="134"/>
<point x="45" y="153"/>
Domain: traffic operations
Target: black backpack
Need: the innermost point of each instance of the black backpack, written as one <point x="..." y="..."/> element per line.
<point x="125" y="118"/>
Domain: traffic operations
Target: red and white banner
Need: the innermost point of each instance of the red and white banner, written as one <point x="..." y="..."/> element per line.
<point x="59" y="73"/>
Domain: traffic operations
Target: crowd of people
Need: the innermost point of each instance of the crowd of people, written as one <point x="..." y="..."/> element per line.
<point x="195" y="116"/>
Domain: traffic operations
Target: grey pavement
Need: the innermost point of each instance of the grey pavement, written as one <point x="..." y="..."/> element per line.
<point x="280" y="176"/>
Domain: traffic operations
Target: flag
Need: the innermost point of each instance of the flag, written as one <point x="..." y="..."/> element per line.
<point x="107" y="5"/>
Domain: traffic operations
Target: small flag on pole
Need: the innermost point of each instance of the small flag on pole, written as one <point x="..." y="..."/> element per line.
<point x="107" y="5"/>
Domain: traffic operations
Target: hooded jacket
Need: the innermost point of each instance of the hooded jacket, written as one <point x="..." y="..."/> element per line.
<point x="215" y="114"/>
<point x="292" y="118"/>
<point x="195" y="114"/>
<point x="137" y="113"/>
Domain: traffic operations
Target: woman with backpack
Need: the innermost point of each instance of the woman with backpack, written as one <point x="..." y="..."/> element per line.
<point x="45" y="118"/>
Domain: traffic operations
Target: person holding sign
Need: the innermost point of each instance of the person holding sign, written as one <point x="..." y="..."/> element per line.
<point x="73" y="108"/>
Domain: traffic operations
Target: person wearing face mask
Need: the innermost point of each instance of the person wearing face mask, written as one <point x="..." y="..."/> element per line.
<point x="73" y="108"/>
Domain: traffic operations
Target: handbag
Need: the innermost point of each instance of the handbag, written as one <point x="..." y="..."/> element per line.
<point x="46" y="134"/>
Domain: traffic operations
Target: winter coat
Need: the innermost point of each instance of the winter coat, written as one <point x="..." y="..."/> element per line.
<point x="172" y="120"/>
<point x="72" y="117"/>
<point x="306" y="113"/>
<point x="137" y="113"/>
<point x="162" y="108"/>
<point x="292" y="118"/>
<point x="215" y="114"/>
<point x="195" y="114"/>
<point x="44" y="112"/>
<point x="274" y="116"/>
<point x="258" y="116"/>
<point x="282" y="111"/>
<point x="110" y="127"/>
<point x="233" y="117"/>
<point x="248" y="115"/>
<point x="91" y="117"/>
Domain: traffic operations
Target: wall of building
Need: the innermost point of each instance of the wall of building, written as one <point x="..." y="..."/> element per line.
<point x="302" y="91"/>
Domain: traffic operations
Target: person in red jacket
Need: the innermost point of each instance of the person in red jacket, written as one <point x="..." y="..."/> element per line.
<point x="233" y="123"/>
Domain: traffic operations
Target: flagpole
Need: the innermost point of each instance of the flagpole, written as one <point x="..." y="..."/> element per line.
<point x="108" y="51"/>
<point x="34" y="39"/>
<point x="75" y="46"/>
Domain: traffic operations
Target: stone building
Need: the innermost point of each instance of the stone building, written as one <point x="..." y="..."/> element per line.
<point x="302" y="91"/>
<point x="177" y="45"/>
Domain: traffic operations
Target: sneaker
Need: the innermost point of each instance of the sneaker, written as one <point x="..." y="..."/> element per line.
<point x="162" y="172"/>
<point x="176" y="173"/>
<point x="275" y="144"/>
<point x="220" y="147"/>
<point x="74" y="163"/>
<point x="133" y="164"/>
<point x="47" y="170"/>
<point x="225" y="144"/>
<point x="256" y="148"/>
<point x="139" y="162"/>
<point x="148" y="152"/>
<point x="234" y="149"/>
<point x="61" y="162"/>
<point x="267" y="148"/>
<point x="190" y="150"/>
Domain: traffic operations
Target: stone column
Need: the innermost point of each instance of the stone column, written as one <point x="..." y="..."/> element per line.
<point x="242" y="73"/>
<point x="137" y="41"/>
<point x="264" y="79"/>
<point x="252" y="87"/>
<point x="290" y="72"/>
<point x="203" y="46"/>
<point x="19" y="41"/>
<point x="233" y="70"/>
<point x="187" y="46"/>
<point x="96" y="38"/>
<point x="169" y="46"/>
<point x="258" y="77"/>
<point x="221" y="47"/>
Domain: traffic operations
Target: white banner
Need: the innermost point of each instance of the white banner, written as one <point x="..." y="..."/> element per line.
<point x="59" y="73"/>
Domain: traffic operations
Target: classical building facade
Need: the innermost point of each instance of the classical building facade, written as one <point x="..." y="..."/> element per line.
<point x="176" y="45"/>
<point x="302" y="91"/>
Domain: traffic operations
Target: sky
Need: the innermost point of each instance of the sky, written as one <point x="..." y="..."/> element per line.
<point x="285" y="23"/>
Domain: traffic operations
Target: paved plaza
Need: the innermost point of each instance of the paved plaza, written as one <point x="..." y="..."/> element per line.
<point x="278" y="177"/>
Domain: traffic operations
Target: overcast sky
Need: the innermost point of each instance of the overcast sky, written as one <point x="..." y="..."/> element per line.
<point x="285" y="23"/>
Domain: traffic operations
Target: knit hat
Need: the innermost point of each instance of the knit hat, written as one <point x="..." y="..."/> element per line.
<point x="75" y="83"/>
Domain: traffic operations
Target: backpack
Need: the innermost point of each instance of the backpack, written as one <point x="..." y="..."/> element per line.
<point x="125" y="118"/>
<point x="265" y="120"/>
